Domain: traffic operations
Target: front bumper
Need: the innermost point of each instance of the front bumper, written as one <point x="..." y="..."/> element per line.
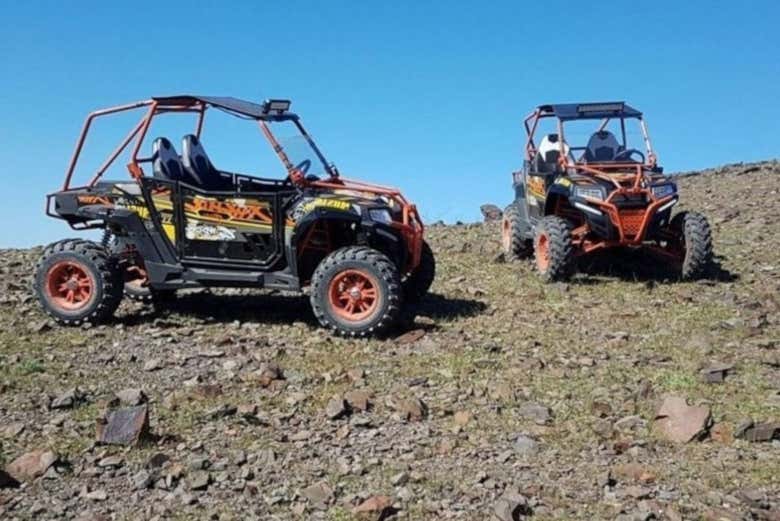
<point x="626" y="218"/>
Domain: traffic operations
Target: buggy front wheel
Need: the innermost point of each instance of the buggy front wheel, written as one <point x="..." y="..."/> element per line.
<point x="692" y="231"/>
<point x="553" y="249"/>
<point x="356" y="291"/>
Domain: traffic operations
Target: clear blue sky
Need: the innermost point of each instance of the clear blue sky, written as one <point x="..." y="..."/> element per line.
<point x="428" y="96"/>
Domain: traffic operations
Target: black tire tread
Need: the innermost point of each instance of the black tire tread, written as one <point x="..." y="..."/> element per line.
<point x="110" y="277"/>
<point x="417" y="284"/>
<point x="697" y="236"/>
<point x="561" y="248"/>
<point x="387" y="270"/>
<point x="519" y="247"/>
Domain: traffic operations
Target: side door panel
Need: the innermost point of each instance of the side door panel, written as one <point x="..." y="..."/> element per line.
<point x="229" y="227"/>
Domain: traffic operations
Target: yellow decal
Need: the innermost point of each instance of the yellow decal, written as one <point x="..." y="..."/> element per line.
<point x="563" y="181"/>
<point x="322" y="202"/>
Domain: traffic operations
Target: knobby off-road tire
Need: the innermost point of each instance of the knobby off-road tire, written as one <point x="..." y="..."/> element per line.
<point x="356" y="291"/>
<point x="78" y="281"/>
<point x="135" y="289"/>
<point x="553" y="249"/>
<point x="514" y="245"/>
<point x="695" y="238"/>
<point x="417" y="284"/>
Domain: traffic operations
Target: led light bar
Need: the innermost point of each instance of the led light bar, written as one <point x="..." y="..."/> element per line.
<point x="600" y="107"/>
<point x="276" y="105"/>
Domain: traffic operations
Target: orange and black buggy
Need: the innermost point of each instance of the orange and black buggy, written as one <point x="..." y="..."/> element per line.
<point x="182" y="222"/>
<point x="596" y="190"/>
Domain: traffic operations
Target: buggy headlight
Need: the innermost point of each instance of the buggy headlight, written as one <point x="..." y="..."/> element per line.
<point x="592" y="192"/>
<point x="380" y="215"/>
<point x="665" y="190"/>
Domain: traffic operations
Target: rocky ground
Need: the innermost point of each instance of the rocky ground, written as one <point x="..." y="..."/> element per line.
<point x="623" y="394"/>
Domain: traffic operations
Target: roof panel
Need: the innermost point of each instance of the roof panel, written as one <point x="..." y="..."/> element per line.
<point x="239" y="106"/>
<point x="591" y="110"/>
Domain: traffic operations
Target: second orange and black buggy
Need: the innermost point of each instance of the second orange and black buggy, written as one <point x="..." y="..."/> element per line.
<point x="584" y="187"/>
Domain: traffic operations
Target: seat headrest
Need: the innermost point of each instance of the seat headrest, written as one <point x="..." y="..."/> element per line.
<point x="196" y="163"/>
<point x="602" y="146"/>
<point x="550" y="148"/>
<point x="166" y="164"/>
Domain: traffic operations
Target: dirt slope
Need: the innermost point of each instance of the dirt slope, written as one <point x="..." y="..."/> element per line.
<point x="521" y="399"/>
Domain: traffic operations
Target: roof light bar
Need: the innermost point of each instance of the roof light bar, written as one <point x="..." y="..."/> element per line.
<point x="600" y="107"/>
<point x="276" y="105"/>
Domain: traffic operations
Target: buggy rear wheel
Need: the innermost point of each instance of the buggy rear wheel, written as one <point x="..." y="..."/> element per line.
<point x="77" y="281"/>
<point x="695" y="239"/>
<point x="513" y="242"/>
<point x="553" y="249"/>
<point x="356" y="291"/>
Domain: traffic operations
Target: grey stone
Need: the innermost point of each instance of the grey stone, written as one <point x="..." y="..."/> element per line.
<point x="131" y="397"/>
<point x="320" y="495"/>
<point x="540" y="414"/>
<point x="125" y="426"/>
<point x="336" y="408"/>
<point x="68" y="399"/>
<point x="510" y="507"/>
<point x="199" y="480"/>
<point x="525" y="445"/>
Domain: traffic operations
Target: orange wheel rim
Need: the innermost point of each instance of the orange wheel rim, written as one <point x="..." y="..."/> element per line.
<point x="69" y="285"/>
<point x="543" y="252"/>
<point x="506" y="236"/>
<point x="353" y="295"/>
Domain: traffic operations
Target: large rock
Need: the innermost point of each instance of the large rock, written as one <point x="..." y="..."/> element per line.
<point x="540" y="414"/>
<point x="358" y="399"/>
<point x="375" y="508"/>
<point x="68" y="399"/>
<point x="755" y="432"/>
<point x="525" y="445"/>
<point x="491" y="212"/>
<point x="320" y="495"/>
<point x="125" y="426"/>
<point x="679" y="422"/>
<point x="510" y="507"/>
<point x="336" y="408"/>
<point x="31" y="465"/>
<point x="131" y="397"/>
<point x="409" y="409"/>
<point x="266" y="375"/>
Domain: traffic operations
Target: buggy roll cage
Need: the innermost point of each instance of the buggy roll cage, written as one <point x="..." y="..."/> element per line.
<point x="586" y="111"/>
<point x="410" y="225"/>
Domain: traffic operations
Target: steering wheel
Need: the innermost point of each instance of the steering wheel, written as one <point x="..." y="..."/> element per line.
<point x="626" y="155"/>
<point x="303" y="166"/>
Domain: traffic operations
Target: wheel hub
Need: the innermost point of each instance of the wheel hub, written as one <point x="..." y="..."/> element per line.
<point x="353" y="295"/>
<point x="69" y="285"/>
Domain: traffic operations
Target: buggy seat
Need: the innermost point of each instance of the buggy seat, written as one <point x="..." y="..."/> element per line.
<point x="198" y="165"/>
<point x="602" y="146"/>
<point x="166" y="164"/>
<point x="549" y="153"/>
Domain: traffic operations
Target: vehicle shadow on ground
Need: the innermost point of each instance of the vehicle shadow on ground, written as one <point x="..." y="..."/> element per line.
<point x="436" y="306"/>
<point x="277" y="308"/>
<point x="639" y="266"/>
